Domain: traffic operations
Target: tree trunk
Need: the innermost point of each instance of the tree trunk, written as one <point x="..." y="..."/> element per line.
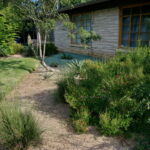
<point x="44" y="47"/>
<point x="42" y="50"/>
<point x="39" y="44"/>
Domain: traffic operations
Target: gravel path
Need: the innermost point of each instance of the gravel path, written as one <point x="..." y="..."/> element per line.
<point x="38" y="95"/>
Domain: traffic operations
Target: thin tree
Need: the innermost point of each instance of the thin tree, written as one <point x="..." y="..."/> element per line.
<point x="45" y="14"/>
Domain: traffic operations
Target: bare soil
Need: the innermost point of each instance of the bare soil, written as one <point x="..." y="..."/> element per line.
<point x="38" y="95"/>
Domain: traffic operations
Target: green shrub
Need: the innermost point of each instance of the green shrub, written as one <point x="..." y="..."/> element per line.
<point x="68" y="57"/>
<point x="8" y="28"/>
<point x="142" y="144"/>
<point x="81" y="120"/>
<point x="30" y="51"/>
<point x="118" y="89"/>
<point x="80" y="125"/>
<point x="17" y="48"/>
<point x="51" y="49"/>
<point x="113" y="124"/>
<point x="18" y="128"/>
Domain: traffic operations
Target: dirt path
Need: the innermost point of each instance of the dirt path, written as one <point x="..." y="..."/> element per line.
<point x="38" y="95"/>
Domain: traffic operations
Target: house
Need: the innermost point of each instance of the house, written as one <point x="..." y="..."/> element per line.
<point x="120" y="23"/>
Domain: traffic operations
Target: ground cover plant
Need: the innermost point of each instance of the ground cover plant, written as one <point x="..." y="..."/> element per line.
<point x="64" y="56"/>
<point x="18" y="128"/>
<point x="12" y="70"/>
<point x="113" y="95"/>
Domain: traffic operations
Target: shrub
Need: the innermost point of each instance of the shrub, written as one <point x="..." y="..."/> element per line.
<point x="68" y="57"/>
<point x="17" y="48"/>
<point x="113" y="124"/>
<point x="117" y="89"/>
<point x="30" y="51"/>
<point x="51" y="49"/>
<point x="81" y="120"/>
<point x="8" y="28"/>
<point x="18" y="128"/>
<point x="142" y="144"/>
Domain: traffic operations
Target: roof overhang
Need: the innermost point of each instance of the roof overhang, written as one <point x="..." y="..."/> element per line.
<point x="100" y="4"/>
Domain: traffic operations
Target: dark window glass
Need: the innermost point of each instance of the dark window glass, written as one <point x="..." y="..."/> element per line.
<point x="135" y="19"/>
<point x="126" y="28"/>
<point x="125" y="36"/>
<point x="145" y="36"/>
<point x="134" y="36"/>
<point x="133" y="44"/>
<point x="146" y="19"/>
<point x="126" y="20"/>
<point x="136" y="10"/>
<point x="124" y="43"/>
<point x="127" y="11"/>
<point x="136" y="26"/>
<point x="146" y="9"/>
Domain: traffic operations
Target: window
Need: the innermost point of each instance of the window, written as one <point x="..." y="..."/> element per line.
<point x="135" y="26"/>
<point x="83" y="21"/>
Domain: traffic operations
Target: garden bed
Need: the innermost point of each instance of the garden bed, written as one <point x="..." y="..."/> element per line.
<point x="60" y="60"/>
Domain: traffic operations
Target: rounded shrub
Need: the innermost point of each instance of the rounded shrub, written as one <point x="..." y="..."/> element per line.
<point x="18" y="129"/>
<point x="17" y="48"/>
<point x="115" y="93"/>
<point x="112" y="124"/>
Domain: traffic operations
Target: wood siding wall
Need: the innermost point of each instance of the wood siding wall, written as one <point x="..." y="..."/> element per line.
<point x="105" y="23"/>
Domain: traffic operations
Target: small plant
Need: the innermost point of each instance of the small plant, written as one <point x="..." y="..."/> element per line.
<point x="46" y="76"/>
<point x="51" y="49"/>
<point x="54" y="65"/>
<point x="67" y="57"/>
<point x="81" y="120"/>
<point x="113" y="125"/>
<point x="30" y="51"/>
<point x="17" y="48"/>
<point x="18" y="128"/>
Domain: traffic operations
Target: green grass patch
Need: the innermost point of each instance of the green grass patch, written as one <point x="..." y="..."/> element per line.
<point x="12" y="71"/>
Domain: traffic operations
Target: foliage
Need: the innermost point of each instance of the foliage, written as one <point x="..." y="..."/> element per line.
<point x="64" y="56"/>
<point x="8" y="26"/>
<point x="45" y="15"/>
<point x="18" y="129"/>
<point x="51" y="49"/>
<point x="17" y="48"/>
<point x="81" y="120"/>
<point x="116" y="92"/>
<point x="143" y="143"/>
<point x="54" y="65"/>
<point x="29" y="51"/>
<point x="113" y="123"/>
<point x="12" y="71"/>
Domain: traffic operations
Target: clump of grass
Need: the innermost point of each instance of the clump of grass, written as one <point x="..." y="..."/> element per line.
<point x="68" y="57"/>
<point x="18" y="128"/>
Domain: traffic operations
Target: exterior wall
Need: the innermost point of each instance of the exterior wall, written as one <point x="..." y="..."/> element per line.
<point x="105" y="23"/>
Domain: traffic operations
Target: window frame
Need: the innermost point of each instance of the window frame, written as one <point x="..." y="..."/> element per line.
<point x="131" y="15"/>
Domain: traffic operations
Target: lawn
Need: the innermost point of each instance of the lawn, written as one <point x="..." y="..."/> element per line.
<point x="12" y="71"/>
